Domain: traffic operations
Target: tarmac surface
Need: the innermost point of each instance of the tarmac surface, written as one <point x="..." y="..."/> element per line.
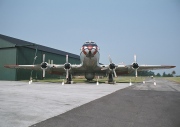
<point x="22" y="105"/>
<point x="88" y="105"/>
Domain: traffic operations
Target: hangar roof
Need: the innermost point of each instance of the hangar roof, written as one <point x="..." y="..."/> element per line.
<point x="18" y="42"/>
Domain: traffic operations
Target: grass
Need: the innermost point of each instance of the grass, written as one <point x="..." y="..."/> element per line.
<point x="174" y="79"/>
<point x="121" y="79"/>
<point x="127" y="79"/>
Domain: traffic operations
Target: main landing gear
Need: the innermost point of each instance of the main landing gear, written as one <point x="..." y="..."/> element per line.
<point x="69" y="79"/>
<point x="110" y="79"/>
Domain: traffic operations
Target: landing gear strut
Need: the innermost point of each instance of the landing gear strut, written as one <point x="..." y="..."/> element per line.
<point x="69" y="79"/>
<point x="110" y="79"/>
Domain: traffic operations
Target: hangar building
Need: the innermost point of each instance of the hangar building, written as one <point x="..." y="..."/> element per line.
<point x="16" y="51"/>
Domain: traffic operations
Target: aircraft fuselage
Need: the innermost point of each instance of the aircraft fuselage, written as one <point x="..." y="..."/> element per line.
<point x="89" y="57"/>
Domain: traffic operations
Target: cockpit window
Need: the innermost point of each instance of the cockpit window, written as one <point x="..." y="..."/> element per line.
<point x="90" y="42"/>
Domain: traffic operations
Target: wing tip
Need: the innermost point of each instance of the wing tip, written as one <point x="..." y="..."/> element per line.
<point x="172" y="66"/>
<point x="6" y="66"/>
<point x="169" y="66"/>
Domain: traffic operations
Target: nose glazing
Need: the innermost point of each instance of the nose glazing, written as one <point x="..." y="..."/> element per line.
<point x="89" y="47"/>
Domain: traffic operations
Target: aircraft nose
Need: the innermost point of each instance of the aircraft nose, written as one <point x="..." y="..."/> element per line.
<point x="89" y="47"/>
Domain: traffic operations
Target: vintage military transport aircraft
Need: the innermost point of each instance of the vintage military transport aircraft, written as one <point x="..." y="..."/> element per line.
<point x="89" y="66"/>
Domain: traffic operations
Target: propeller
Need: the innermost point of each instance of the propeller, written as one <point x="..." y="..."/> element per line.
<point x="67" y="67"/>
<point x="33" y="64"/>
<point x="112" y="66"/>
<point x="44" y="66"/>
<point x="135" y="65"/>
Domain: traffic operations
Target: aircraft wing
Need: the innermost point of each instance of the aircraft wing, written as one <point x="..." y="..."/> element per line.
<point x="119" y="69"/>
<point x="125" y="69"/>
<point x="60" y="69"/>
<point x="135" y="67"/>
<point x="154" y="67"/>
<point x="51" y="68"/>
<point x="30" y="67"/>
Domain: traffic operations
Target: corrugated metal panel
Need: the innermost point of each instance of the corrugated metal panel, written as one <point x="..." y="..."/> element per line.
<point x="25" y="56"/>
<point x="5" y="44"/>
<point x="7" y="56"/>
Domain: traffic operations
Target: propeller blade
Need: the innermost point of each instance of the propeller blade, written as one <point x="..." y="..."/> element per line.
<point x="136" y="72"/>
<point x="67" y="73"/>
<point x="135" y="60"/>
<point x="112" y="66"/>
<point x="35" y="58"/>
<point x="44" y="71"/>
<point x="43" y="58"/>
<point x="66" y="58"/>
<point x="114" y="73"/>
<point x="33" y="64"/>
<point x="110" y="60"/>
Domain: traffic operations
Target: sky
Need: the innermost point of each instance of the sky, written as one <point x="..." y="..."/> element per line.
<point x="121" y="28"/>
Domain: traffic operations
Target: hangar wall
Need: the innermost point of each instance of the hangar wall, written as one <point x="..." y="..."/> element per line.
<point x="13" y="54"/>
<point x="7" y="55"/>
<point x="25" y="56"/>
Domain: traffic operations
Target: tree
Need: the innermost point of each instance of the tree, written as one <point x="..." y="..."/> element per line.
<point x="158" y="75"/>
<point x="169" y="75"/>
<point x="173" y="73"/>
<point x="142" y="73"/>
<point x="164" y="74"/>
